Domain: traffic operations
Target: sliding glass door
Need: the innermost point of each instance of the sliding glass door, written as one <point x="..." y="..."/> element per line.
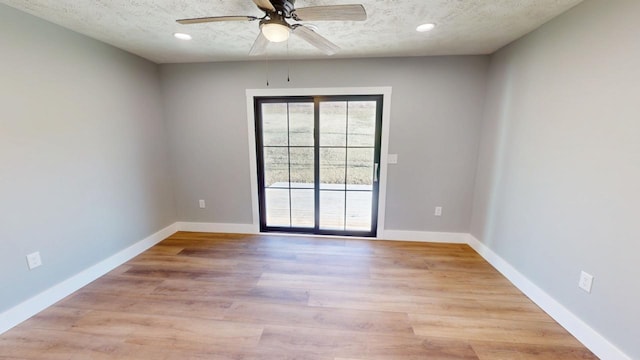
<point x="318" y="163"/>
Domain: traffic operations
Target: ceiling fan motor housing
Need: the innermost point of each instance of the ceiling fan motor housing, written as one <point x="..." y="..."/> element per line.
<point x="284" y="7"/>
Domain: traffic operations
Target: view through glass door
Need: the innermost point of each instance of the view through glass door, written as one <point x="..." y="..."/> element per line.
<point x="318" y="163"/>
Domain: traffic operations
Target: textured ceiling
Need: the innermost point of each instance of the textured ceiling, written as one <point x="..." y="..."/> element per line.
<point x="145" y="27"/>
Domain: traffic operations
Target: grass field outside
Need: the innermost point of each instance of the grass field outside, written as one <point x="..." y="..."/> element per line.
<point x="346" y="143"/>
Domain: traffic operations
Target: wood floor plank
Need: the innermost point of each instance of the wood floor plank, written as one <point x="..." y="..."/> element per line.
<point x="22" y="343"/>
<point x="117" y="284"/>
<point x="404" y="274"/>
<point x="55" y="318"/>
<point x="313" y="317"/>
<point x="329" y="343"/>
<point x="370" y="262"/>
<point x="346" y="344"/>
<point x="247" y="255"/>
<point x="504" y="308"/>
<point x="498" y="351"/>
<point x="169" y="330"/>
<point x="234" y="291"/>
<point x="482" y="329"/>
<point x="252" y="297"/>
<point x="161" y="249"/>
<point x="424" y="287"/>
<point x="182" y="262"/>
<point x="299" y="267"/>
<point x="213" y="308"/>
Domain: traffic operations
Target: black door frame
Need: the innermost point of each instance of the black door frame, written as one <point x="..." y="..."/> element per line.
<point x="316" y="230"/>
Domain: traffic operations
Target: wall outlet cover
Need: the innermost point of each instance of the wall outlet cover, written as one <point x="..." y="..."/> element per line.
<point x="438" y="211"/>
<point x="586" y="281"/>
<point x="34" y="260"/>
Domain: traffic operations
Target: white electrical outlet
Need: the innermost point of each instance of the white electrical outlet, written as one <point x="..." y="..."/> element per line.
<point x="392" y="158"/>
<point x="438" y="211"/>
<point x="202" y="204"/>
<point x="585" y="282"/>
<point x="34" y="260"/>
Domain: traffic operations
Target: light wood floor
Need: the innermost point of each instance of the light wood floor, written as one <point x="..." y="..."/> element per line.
<point x="218" y="296"/>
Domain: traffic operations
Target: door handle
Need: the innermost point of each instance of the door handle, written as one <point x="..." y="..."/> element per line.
<point x="375" y="172"/>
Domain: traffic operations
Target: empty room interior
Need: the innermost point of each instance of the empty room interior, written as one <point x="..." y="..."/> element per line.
<point x="364" y="180"/>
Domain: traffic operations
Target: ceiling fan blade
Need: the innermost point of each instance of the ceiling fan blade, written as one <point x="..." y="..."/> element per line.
<point x="259" y="46"/>
<point x="265" y="5"/>
<point x="216" y="19"/>
<point x="355" y="12"/>
<point x="316" y="40"/>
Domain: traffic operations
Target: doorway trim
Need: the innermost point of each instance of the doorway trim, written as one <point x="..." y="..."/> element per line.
<point x="384" y="149"/>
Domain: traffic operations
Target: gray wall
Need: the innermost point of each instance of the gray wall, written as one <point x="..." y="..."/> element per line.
<point x="559" y="172"/>
<point x="435" y="126"/>
<point x="83" y="156"/>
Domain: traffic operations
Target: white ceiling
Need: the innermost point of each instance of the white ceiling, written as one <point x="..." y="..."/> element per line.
<point x="145" y="27"/>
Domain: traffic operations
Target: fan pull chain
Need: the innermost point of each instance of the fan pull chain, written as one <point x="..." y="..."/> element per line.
<point x="266" y="57"/>
<point x="288" y="64"/>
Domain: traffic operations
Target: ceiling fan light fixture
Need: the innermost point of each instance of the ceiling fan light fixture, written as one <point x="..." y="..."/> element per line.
<point x="425" y="27"/>
<point x="275" y="31"/>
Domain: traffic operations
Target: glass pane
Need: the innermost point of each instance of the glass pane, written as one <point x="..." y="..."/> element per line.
<point x="276" y="167"/>
<point x="333" y="123"/>
<point x="302" y="175"/>
<point x="359" y="204"/>
<point x="301" y="124"/>
<point x="277" y="206"/>
<point x="362" y="123"/>
<point x="332" y="210"/>
<point x="303" y="208"/>
<point x="274" y="124"/>
<point x="332" y="169"/>
<point x="360" y="169"/>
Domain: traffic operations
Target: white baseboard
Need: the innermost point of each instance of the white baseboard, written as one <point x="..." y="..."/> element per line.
<point x="425" y="236"/>
<point x="595" y="342"/>
<point x="400" y="235"/>
<point x="217" y="228"/>
<point x="34" y="305"/>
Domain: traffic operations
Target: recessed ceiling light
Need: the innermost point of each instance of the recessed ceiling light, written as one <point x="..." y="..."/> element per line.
<point x="425" y="27"/>
<point x="182" y="36"/>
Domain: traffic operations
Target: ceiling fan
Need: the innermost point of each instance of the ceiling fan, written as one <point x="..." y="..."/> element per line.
<point x="274" y="26"/>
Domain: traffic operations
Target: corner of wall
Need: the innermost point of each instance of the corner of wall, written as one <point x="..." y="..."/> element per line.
<point x="593" y="340"/>
<point x="43" y="300"/>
